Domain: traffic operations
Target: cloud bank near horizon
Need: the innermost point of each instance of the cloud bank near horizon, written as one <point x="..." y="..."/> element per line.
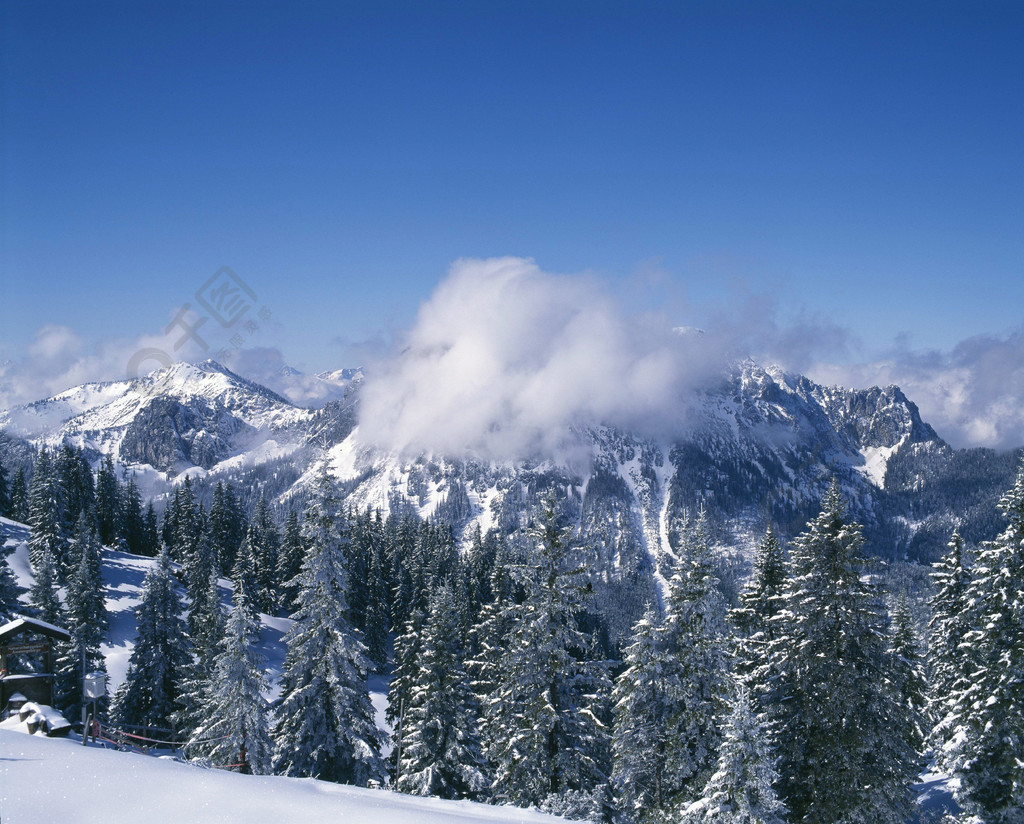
<point x="504" y="357"/>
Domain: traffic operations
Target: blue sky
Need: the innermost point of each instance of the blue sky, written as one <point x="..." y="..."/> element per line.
<point x="853" y="163"/>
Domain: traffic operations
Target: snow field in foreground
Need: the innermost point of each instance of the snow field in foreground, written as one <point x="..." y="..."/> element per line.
<point x="46" y="780"/>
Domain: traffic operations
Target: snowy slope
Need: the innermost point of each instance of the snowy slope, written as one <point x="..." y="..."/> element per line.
<point x="183" y="415"/>
<point x="53" y="780"/>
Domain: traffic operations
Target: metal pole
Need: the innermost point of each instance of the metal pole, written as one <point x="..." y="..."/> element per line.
<point x="85" y="711"/>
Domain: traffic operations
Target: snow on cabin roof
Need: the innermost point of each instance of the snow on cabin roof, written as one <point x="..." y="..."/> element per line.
<point x="24" y="624"/>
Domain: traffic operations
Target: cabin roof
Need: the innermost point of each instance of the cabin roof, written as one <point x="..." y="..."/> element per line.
<point x="25" y="624"/>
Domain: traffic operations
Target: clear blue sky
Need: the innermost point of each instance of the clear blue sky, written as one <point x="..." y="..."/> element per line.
<point x="861" y="161"/>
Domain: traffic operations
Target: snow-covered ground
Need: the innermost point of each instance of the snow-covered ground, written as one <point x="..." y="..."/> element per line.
<point x="43" y="780"/>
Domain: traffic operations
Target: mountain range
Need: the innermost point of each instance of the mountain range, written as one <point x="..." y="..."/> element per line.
<point x="759" y="446"/>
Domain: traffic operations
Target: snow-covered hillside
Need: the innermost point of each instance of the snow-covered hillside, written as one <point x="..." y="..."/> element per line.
<point x="45" y="780"/>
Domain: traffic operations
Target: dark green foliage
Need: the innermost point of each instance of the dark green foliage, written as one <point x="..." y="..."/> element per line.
<point x="264" y="543"/>
<point x="289" y="561"/>
<point x="46" y="517"/>
<point x="841" y="726"/>
<point x="10" y="591"/>
<point x="440" y="742"/>
<point x="754" y="618"/>
<point x="18" y="505"/>
<point x="107" y="502"/>
<point x="5" y="494"/>
<point x="75" y="479"/>
<point x="227" y="526"/>
<point x="151" y="532"/>
<point x="131" y="524"/>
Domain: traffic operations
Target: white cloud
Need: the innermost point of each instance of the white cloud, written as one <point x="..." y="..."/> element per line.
<point x="504" y="357"/>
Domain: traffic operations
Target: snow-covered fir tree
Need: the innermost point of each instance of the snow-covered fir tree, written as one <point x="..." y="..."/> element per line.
<point x="85" y="617"/>
<point x="378" y="611"/>
<point x="741" y="789"/>
<point x="289" y="561"/>
<point x="48" y="544"/>
<point x="642" y="708"/>
<point x="243" y="576"/>
<point x="441" y="754"/>
<point x="160" y="658"/>
<point x="42" y="593"/>
<point x="206" y="633"/>
<point x="908" y="671"/>
<point x="10" y="590"/>
<point x="234" y="730"/>
<point x="953" y="662"/>
<point x="18" y="502"/>
<point x="760" y="601"/>
<point x="107" y="496"/>
<point x="198" y="561"/>
<point x="839" y="721"/>
<point x="206" y="622"/>
<point x="692" y="639"/>
<point x="990" y="710"/>
<point x="549" y="713"/>
<point x="325" y="723"/>
<point x="5" y="493"/>
<point x="489" y="636"/>
<point x="408" y="647"/>
<point x="264" y="544"/>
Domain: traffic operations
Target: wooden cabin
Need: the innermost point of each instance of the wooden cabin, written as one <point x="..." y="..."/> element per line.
<point x="27" y="661"/>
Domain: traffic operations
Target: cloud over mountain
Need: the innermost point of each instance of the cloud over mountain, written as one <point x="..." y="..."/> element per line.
<point x="503" y="357"/>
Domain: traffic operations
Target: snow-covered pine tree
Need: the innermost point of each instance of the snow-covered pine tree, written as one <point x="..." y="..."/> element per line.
<point x="990" y="760"/>
<point x="206" y="632"/>
<point x="289" y="561"/>
<point x="85" y="617"/>
<point x="243" y="575"/>
<point x="227" y="525"/>
<point x="741" y="790"/>
<point x="378" y="611"/>
<point x="760" y="602"/>
<point x="234" y="729"/>
<point x="550" y="739"/>
<point x="838" y="719"/>
<point x="206" y="623"/>
<point x="441" y="754"/>
<point x="908" y="671"/>
<point x="5" y="493"/>
<point x="408" y="647"/>
<point x="198" y="562"/>
<point x="692" y="638"/>
<point x="264" y="545"/>
<point x="953" y="662"/>
<point x="10" y="590"/>
<point x="75" y="479"/>
<point x="151" y="532"/>
<point x="42" y="593"/>
<point x="641" y="711"/>
<point x="325" y="723"/>
<point x="18" y="506"/>
<point x="160" y="658"/>
<point x="46" y="517"/>
<point x="107" y="495"/>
